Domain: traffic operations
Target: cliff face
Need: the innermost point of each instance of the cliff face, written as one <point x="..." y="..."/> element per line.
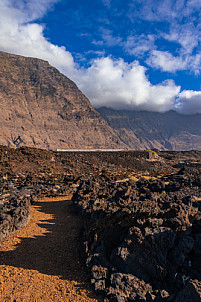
<point x="165" y="131"/>
<point x="42" y="108"/>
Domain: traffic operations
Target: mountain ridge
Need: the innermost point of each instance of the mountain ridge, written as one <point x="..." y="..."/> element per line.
<point x="164" y="131"/>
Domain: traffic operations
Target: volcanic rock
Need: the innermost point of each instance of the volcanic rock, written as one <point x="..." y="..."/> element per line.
<point x="145" y="233"/>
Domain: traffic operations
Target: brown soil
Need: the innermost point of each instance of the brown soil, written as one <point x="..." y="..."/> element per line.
<point x="40" y="262"/>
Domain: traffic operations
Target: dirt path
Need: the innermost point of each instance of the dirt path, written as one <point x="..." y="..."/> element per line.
<point x="40" y="262"/>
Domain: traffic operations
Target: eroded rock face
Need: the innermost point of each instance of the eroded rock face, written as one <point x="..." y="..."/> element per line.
<point x="142" y="236"/>
<point x="42" y="108"/>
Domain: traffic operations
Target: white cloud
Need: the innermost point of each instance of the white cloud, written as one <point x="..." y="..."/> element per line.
<point x="121" y="85"/>
<point x="138" y="45"/>
<point x="29" y="10"/>
<point x="163" y="10"/>
<point x="189" y="102"/>
<point x="194" y="4"/>
<point x="165" y="61"/>
<point x="107" y="3"/>
<point x="196" y="63"/>
<point x="187" y="36"/>
<point x="156" y="10"/>
<point x="180" y="25"/>
<point x="108" y="38"/>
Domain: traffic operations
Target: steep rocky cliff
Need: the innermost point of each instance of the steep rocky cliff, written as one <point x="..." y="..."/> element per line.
<point x="40" y="107"/>
<point x="165" y="131"/>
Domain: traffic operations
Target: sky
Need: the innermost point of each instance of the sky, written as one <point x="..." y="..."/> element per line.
<point x="134" y="54"/>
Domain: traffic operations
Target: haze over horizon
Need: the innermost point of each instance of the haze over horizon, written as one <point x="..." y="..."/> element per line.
<point x="141" y="55"/>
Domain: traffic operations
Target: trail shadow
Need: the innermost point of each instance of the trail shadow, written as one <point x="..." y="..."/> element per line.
<point x="56" y="252"/>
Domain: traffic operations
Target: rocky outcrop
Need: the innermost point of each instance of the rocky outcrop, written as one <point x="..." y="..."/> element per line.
<point x="14" y="214"/>
<point x="16" y="195"/>
<point x="141" y="236"/>
<point x="145" y="130"/>
<point x="42" y="108"/>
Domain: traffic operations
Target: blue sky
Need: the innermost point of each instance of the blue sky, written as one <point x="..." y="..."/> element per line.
<point x="135" y="54"/>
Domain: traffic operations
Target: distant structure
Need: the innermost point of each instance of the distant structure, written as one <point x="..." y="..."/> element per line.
<point x="89" y="150"/>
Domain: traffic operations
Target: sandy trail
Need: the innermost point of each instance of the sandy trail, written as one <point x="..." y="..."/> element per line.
<point x="40" y="262"/>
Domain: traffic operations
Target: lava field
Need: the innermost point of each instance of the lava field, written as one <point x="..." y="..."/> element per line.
<point x="140" y="238"/>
